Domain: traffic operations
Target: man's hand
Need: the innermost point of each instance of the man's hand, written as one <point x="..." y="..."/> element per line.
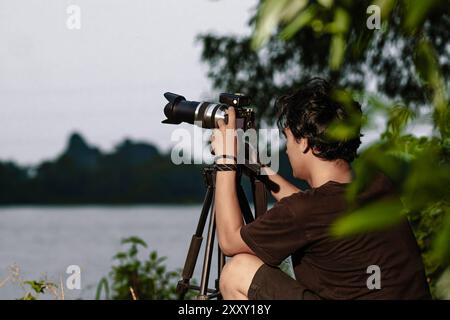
<point x="223" y="139"/>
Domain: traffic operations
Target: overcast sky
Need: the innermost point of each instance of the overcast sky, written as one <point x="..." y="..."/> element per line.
<point x="105" y="80"/>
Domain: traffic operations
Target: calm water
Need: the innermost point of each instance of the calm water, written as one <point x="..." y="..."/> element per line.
<point x="44" y="241"/>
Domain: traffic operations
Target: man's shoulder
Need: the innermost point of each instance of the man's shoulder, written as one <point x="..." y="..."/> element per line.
<point x="299" y="198"/>
<point x="331" y="196"/>
<point x="313" y="197"/>
<point x="314" y="204"/>
<point x="302" y="202"/>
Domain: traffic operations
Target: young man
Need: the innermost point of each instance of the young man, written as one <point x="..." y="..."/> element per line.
<point x="298" y="225"/>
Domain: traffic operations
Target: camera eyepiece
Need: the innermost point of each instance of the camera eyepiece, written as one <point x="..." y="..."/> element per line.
<point x="235" y="100"/>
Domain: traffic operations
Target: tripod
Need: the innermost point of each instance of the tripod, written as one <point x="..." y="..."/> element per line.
<point x="208" y="209"/>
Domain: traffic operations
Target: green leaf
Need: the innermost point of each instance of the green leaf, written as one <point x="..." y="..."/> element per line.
<point x="342" y="131"/>
<point x="337" y="51"/>
<point x="398" y="118"/>
<point x="374" y="160"/>
<point x="415" y="13"/>
<point x="326" y="3"/>
<point x="374" y="216"/>
<point x="37" y="286"/>
<point x="134" y="240"/>
<point x="303" y="19"/>
<point x="377" y="102"/>
<point x="103" y="283"/>
<point x="386" y="7"/>
<point x="28" y="296"/>
<point x="427" y="179"/>
<point x="270" y="15"/>
<point x="292" y="9"/>
<point x="427" y="64"/>
<point x="340" y="23"/>
<point x="133" y="251"/>
<point x="153" y="256"/>
<point x="443" y="285"/>
<point x="441" y="245"/>
<point x="120" y="256"/>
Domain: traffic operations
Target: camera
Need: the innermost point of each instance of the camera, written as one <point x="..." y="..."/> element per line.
<point x="207" y="114"/>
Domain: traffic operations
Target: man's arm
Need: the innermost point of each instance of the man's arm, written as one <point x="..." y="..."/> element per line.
<point x="229" y="220"/>
<point x="285" y="188"/>
<point x="228" y="213"/>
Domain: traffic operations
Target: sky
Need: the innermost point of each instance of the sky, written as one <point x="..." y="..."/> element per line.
<point x="105" y="80"/>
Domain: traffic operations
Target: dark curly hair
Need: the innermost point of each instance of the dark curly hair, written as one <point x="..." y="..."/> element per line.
<point x="308" y="113"/>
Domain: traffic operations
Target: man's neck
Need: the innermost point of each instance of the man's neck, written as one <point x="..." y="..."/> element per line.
<point x="324" y="171"/>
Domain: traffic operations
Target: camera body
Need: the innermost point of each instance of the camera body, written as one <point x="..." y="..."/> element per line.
<point x="207" y="114"/>
<point x="245" y="117"/>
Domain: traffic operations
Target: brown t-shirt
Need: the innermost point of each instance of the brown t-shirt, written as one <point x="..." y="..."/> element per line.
<point x="298" y="226"/>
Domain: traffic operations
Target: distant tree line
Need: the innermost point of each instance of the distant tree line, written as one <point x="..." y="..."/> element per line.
<point x="134" y="173"/>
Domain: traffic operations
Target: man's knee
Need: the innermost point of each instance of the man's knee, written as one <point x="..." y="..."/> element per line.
<point x="238" y="272"/>
<point x="230" y="273"/>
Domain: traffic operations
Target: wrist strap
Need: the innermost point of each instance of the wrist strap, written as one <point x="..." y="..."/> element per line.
<point x="225" y="156"/>
<point x="226" y="167"/>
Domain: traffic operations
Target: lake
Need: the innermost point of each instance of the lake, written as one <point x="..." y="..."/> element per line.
<point x="44" y="241"/>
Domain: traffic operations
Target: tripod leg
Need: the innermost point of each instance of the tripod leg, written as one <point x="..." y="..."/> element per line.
<point x="221" y="263"/>
<point x="259" y="196"/>
<point x="243" y="203"/>
<point x="194" y="248"/>
<point x="208" y="255"/>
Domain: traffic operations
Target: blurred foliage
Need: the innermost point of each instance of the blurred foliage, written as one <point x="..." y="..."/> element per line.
<point x="329" y="39"/>
<point x="443" y="285"/>
<point x="146" y="280"/>
<point x="38" y="288"/>
<point x="406" y="61"/>
<point x="33" y="289"/>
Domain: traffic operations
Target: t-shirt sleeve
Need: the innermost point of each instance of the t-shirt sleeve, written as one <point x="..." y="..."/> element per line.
<point x="275" y="235"/>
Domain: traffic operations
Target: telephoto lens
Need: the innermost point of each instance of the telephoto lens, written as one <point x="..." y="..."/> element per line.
<point x="206" y="114"/>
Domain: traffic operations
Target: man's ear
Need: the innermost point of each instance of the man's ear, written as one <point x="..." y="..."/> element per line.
<point x="304" y="147"/>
